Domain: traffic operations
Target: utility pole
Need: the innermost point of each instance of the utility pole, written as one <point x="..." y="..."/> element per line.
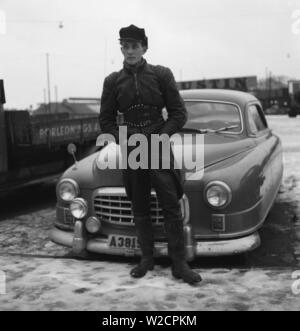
<point x="56" y="98"/>
<point x="48" y="83"/>
<point x="45" y="98"/>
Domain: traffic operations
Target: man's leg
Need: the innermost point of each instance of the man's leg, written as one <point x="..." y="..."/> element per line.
<point x="164" y="184"/>
<point x="137" y="182"/>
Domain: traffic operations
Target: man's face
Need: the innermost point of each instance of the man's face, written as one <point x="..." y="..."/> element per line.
<point x="133" y="51"/>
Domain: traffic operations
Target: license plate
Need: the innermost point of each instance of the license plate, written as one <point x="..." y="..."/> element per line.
<point x="69" y="219"/>
<point x="126" y="242"/>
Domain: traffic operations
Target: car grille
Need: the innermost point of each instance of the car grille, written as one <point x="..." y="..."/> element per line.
<point x="113" y="206"/>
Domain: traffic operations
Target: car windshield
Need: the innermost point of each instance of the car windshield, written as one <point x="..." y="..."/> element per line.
<point x="203" y="115"/>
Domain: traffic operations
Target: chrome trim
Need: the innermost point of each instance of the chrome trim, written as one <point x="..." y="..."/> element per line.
<point x="189" y="242"/>
<point x="227" y="103"/>
<point x="79" y="240"/>
<point x="120" y="193"/>
<point x="185" y="209"/>
<point x="68" y="180"/>
<point x="83" y="203"/>
<point x="118" y="206"/>
<point x="218" y="183"/>
<point x="228" y="247"/>
<point x="198" y="248"/>
<point x="61" y="237"/>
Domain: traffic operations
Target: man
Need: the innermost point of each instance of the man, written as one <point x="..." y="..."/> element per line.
<point x="140" y="91"/>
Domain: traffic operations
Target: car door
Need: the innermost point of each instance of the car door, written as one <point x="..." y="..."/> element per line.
<point x="266" y="149"/>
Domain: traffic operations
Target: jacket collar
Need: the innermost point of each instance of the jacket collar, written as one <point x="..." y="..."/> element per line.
<point x="134" y="69"/>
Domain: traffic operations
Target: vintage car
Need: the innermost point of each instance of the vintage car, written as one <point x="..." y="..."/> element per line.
<point x="224" y="203"/>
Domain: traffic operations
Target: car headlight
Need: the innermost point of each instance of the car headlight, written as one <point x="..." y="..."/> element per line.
<point x="218" y="194"/>
<point x="79" y="208"/>
<point x="67" y="190"/>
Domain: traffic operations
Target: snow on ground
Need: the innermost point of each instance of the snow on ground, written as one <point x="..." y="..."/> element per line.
<point x="58" y="284"/>
<point x="44" y="276"/>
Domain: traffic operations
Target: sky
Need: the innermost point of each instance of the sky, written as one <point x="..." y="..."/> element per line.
<point x="196" y="39"/>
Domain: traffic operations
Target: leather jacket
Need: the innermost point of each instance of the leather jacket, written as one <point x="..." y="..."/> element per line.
<point x="144" y="84"/>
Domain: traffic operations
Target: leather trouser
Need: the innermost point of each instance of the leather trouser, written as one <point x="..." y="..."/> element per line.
<point x="139" y="182"/>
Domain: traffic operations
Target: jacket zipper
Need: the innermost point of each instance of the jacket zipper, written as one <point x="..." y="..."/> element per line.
<point x="136" y="85"/>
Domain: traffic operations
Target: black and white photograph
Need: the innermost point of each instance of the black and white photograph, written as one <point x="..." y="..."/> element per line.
<point x="149" y="158"/>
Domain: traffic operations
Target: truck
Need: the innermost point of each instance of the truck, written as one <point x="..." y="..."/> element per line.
<point x="33" y="148"/>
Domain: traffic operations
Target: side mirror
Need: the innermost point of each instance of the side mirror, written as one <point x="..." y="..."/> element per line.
<point x="72" y="149"/>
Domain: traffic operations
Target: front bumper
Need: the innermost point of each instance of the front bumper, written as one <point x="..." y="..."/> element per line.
<point x="193" y="249"/>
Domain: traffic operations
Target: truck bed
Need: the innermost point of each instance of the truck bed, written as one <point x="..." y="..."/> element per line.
<point x="25" y="131"/>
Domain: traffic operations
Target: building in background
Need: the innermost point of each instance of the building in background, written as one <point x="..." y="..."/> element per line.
<point x="70" y="108"/>
<point x="246" y="84"/>
<point x="272" y="93"/>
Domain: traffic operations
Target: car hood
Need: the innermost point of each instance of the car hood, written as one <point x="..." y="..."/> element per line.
<point x="210" y="149"/>
<point x="219" y="147"/>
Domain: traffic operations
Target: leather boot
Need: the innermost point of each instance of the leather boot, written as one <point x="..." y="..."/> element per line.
<point x="180" y="268"/>
<point x="143" y="226"/>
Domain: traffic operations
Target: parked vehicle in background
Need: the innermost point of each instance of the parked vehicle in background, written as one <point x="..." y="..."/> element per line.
<point x="294" y="93"/>
<point x="222" y="208"/>
<point x="33" y="148"/>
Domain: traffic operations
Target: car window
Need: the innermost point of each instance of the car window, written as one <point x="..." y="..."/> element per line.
<point x="213" y="115"/>
<point x="257" y="122"/>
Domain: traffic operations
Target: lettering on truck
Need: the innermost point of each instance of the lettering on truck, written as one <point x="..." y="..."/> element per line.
<point x="61" y="131"/>
<point x="91" y="127"/>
